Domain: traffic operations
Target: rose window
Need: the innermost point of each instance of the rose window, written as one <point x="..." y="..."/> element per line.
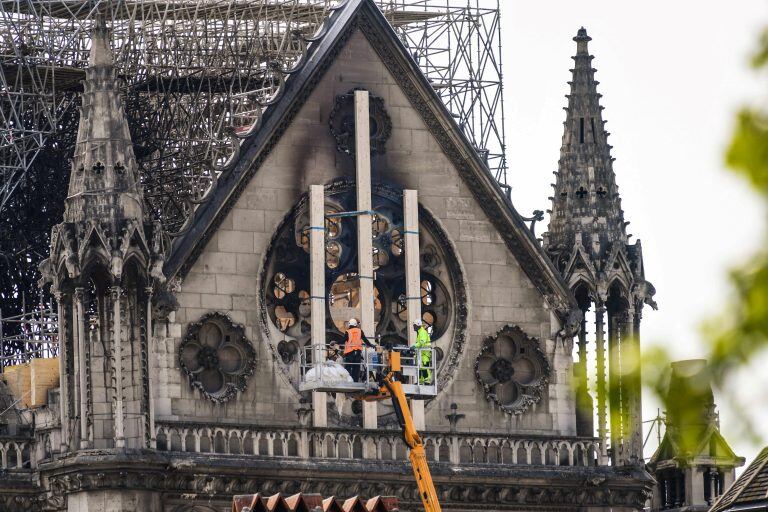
<point x="217" y="357"/>
<point x="286" y="281"/>
<point x="512" y="369"/>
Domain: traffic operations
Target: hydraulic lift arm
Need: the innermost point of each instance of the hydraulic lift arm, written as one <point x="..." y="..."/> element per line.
<point x="394" y="388"/>
<point x="413" y="440"/>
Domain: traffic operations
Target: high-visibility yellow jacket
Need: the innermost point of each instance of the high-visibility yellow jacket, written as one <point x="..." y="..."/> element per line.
<point x="422" y="339"/>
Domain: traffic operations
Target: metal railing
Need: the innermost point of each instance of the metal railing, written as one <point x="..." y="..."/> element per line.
<point x="326" y="367"/>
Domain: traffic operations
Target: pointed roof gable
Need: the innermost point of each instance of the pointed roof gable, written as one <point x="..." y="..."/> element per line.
<point x="365" y="16"/>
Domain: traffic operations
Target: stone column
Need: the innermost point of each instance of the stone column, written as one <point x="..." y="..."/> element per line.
<point x="63" y="377"/>
<point x="78" y="324"/>
<point x="633" y="388"/>
<point x="151" y="363"/>
<point x="117" y="367"/>
<point x="602" y="430"/>
<point x="615" y="411"/>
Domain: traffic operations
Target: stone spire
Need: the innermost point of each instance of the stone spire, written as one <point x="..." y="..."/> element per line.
<point x="104" y="267"/>
<point x="586" y="204"/>
<point x="104" y="181"/>
<point x="588" y="243"/>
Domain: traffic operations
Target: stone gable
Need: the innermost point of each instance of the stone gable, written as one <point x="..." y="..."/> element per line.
<point x="225" y="277"/>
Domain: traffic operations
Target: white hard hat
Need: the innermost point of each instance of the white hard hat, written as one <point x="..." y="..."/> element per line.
<point x="417" y="323"/>
<point x="352" y="322"/>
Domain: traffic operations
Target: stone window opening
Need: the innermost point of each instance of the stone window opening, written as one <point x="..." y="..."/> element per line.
<point x="581" y="193"/>
<point x="581" y="130"/>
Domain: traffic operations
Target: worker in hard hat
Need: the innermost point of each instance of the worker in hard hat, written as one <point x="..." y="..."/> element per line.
<point x="353" y="349"/>
<point x="423" y="348"/>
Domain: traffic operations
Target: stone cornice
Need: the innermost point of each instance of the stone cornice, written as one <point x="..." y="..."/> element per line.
<point x="216" y="478"/>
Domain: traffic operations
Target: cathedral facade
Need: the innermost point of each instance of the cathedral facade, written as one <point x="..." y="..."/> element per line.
<point x="180" y="360"/>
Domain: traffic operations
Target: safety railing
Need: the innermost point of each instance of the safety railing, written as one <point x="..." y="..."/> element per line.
<point x="383" y="445"/>
<point x="328" y="368"/>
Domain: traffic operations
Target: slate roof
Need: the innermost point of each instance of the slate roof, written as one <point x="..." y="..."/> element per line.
<point x="365" y="16"/>
<point x="751" y="488"/>
<point x="311" y="503"/>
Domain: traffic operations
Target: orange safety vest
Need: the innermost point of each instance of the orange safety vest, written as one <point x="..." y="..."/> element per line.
<point x="355" y="341"/>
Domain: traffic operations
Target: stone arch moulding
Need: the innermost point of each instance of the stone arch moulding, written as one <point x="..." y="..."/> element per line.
<point x="217" y="357"/>
<point x="512" y="369"/>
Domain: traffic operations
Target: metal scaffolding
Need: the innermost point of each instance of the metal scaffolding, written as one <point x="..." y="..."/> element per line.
<point x="457" y="45"/>
<point x="198" y="75"/>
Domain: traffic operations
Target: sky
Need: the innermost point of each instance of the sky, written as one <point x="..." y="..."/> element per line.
<point x="672" y="75"/>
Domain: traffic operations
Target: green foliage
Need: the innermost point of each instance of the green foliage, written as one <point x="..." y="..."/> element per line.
<point x="740" y="333"/>
<point x="748" y="153"/>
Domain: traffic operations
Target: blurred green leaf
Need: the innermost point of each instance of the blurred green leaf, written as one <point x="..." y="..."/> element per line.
<point x="748" y="152"/>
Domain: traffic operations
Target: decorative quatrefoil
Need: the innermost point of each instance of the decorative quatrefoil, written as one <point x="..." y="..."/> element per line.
<point x="512" y="369"/>
<point x="217" y="357"/>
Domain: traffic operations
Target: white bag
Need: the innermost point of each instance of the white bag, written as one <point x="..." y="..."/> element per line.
<point x="332" y="373"/>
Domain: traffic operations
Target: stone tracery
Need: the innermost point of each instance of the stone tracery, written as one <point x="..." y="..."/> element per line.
<point x="285" y="281"/>
<point x="217" y="357"/>
<point x="512" y="369"/>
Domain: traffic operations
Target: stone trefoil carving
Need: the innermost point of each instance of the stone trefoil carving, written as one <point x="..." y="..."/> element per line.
<point x="342" y="123"/>
<point x="512" y="369"/>
<point x="217" y="357"/>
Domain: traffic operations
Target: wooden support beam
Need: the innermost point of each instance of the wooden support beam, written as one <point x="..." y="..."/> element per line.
<point x="317" y="292"/>
<point x="364" y="232"/>
<point x="413" y="282"/>
<point x="412" y="266"/>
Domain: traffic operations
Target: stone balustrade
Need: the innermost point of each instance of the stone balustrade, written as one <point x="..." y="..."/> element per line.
<point x="453" y="448"/>
<point x="17" y="453"/>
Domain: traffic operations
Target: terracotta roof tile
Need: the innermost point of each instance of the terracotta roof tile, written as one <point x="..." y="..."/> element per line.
<point x="331" y="505"/>
<point x="750" y="487"/>
<point x="311" y="503"/>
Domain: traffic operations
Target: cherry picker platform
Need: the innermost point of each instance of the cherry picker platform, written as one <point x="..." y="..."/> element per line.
<point x="332" y="375"/>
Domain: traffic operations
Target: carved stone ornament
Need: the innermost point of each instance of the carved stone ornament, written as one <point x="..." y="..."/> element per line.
<point x="342" y="123"/>
<point x="217" y="357"/>
<point x="512" y="369"/>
